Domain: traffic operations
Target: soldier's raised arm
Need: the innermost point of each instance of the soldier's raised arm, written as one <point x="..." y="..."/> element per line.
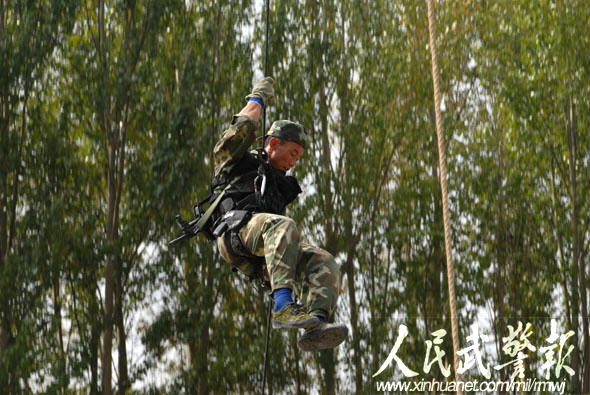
<point x="236" y="140"/>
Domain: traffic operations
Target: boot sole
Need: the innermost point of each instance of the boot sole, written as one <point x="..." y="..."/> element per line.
<point x="308" y="323"/>
<point x="326" y="336"/>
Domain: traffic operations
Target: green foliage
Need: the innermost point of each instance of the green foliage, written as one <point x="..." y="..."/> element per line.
<point x="106" y="131"/>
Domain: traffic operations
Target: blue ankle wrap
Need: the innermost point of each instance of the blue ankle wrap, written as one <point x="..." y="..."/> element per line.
<point x="282" y="297"/>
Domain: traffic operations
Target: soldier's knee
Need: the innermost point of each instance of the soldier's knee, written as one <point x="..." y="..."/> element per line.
<point x="328" y="259"/>
<point x="284" y="225"/>
<point x="324" y="260"/>
<point x="334" y="268"/>
<point x="289" y="223"/>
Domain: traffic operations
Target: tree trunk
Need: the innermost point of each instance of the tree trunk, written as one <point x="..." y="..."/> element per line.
<point x="329" y="371"/>
<point x="5" y="332"/>
<point x="107" y="336"/>
<point x="325" y="178"/>
<point x="107" y="339"/>
<point x="298" y="378"/>
<point x="502" y="247"/>
<point x="114" y="133"/>
<point x="5" y="335"/>
<point x="203" y="388"/>
<point x="94" y="349"/>
<point x="350" y="240"/>
<point x="559" y="240"/>
<point x="327" y="356"/>
<point x="63" y="378"/>
<point x="578" y="268"/>
<point x="438" y="255"/>
<point x="350" y="275"/>
<point x="124" y="383"/>
<point x="2" y="16"/>
<point x="114" y="273"/>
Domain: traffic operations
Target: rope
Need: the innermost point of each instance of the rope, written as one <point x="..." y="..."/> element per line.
<point x="266" y="341"/>
<point x="266" y="347"/>
<point x="265" y="62"/>
<point x="442" y="162"/>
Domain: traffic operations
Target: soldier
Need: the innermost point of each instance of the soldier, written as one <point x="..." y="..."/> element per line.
<point x="254" y="235"/>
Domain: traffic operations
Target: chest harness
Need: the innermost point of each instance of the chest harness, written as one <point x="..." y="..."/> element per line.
<point x="252" y="186"/>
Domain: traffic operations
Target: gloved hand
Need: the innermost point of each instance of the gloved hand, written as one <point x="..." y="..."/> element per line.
<point x="263" y="89"/>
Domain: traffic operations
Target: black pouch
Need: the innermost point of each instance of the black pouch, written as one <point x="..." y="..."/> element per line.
<point x="237" y="218"/>
<point x="232" y="220"/>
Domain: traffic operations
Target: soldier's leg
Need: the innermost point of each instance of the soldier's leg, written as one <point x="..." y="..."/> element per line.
<point x="321" y="284"/>
<point x="277" y="239"/>
<point x="321" y="280"/>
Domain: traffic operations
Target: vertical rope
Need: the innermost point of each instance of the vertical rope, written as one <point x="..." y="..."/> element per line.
<point x="265" y="62"/>
<point x="267" y="340"/>
<point x="266" y="346"/>
<point x="442" y="162"/>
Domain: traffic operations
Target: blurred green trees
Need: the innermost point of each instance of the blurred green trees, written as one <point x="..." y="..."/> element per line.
<point x="109" y="112"/>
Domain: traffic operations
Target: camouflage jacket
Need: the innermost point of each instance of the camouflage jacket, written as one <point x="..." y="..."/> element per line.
<point x="233" y="144"/>
<point x="232" y="159"/>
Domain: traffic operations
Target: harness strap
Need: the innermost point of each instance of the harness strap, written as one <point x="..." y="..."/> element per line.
<point x="216" y="202"/>
<point x="236" y="247"/>
<point x="203" y="220"/>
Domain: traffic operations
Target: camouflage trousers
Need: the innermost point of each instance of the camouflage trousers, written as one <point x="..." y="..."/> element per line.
<point x="309" y="271"/>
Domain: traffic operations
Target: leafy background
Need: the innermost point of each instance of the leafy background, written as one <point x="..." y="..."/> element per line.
<point x="108" y="114"/>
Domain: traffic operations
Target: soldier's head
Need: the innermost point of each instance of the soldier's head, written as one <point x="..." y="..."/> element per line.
<point x="285" y="144"/>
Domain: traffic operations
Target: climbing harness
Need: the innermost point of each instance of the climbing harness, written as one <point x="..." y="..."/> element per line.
<point x="197" y="225"/>
<point x="202" y="221"/>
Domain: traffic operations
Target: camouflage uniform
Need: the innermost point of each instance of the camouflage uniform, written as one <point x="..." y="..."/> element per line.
<point x="289" y="261"/>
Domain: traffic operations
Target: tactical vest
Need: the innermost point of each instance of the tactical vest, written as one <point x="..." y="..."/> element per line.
<point x="256" y="187"/>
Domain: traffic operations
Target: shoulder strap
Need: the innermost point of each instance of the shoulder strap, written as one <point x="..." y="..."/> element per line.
<point x="203" y="220"/>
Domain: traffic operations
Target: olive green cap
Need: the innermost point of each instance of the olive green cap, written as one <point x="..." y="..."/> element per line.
<point x="288" y="130"/>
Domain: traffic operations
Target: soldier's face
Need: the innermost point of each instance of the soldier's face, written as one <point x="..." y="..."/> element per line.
<point x="283" y="154"/>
